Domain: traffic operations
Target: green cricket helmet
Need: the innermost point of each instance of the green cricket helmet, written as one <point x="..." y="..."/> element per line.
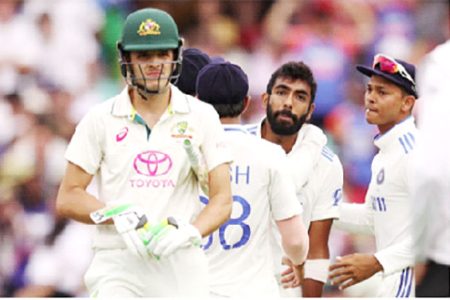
<point x="149" y="29"/>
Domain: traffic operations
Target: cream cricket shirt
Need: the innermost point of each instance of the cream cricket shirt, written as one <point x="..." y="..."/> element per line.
<point x="147" y="167"/>
<point x="240" y="257"/>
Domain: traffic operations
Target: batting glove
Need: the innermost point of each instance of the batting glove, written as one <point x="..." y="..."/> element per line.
<point x="128" y="221"/>
<point x="175" y="236"/>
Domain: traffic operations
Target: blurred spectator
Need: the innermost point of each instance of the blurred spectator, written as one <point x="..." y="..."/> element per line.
<point x="66" y="52"/>
<point x="322" y="46"/>
<point x="395" y="30"/>
<point x="353" y="137"/>
<point x="19" y="50"/>
<point x="64" y="259"/>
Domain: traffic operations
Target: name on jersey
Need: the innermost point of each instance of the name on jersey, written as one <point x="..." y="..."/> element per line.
<point x="239" y="174"/>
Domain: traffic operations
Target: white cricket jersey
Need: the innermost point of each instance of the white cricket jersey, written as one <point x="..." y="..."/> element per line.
<point x="240" y="257"/>
<point x="143" y="166"/>
<point x="387" y="210"/>
<point x="389" y="198"/>
<point x="322" y="193"/>
<point x="431" y="181"/>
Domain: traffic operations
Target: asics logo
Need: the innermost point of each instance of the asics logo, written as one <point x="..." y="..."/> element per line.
<point x="122" y="134"/>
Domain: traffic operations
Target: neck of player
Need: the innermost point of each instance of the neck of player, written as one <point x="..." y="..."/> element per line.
<point x="152" y="108"/>
<point x="285" y="141"/>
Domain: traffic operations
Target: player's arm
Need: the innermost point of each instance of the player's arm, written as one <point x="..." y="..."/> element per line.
<point x="355" y="218"/>
<point x="72" y="200"/>
<point x="316" y="266"/>
<point x="396" y="257"/>
<point x="294" y="239"/>
<point x="351" y="269"/>
<point x="325" y="210"/>
<point x="218" y="209"/>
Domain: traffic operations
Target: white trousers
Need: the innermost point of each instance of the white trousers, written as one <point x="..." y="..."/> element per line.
<point x="118" y="273"/>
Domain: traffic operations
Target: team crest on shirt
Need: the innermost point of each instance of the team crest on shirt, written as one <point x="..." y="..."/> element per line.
<point x="380" y="176"/>
<point x="181" y="130"/>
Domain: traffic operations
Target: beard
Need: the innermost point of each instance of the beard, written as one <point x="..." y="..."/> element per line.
<point x="282" y="128"/>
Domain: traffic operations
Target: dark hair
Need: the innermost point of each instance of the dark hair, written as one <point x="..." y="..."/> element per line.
<point x="229" y="110"/>
<point x="295" y="71"/>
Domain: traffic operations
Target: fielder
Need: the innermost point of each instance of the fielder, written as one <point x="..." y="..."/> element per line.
<point x="240" y="257"/>
<point x="389" y="99"/>
<point x="193" y="61"/>
<point x="430" y="187"/>
<point x="317" y="171"/>
<point x="150" y="223"/>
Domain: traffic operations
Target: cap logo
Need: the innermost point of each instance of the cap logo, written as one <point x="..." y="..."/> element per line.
<point x="149" y="27"/>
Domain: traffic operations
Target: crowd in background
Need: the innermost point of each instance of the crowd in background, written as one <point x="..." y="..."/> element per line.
<point x="58" y="58"/>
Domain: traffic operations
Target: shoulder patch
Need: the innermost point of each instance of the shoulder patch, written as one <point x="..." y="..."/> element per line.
<point x="407" y="141"/>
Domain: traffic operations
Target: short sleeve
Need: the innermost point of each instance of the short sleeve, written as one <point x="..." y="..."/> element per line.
<point x="283" y="200"/>
<point x="214" y="148"/>
<point x="330" y="193"/>
<point x="85" y="148"/>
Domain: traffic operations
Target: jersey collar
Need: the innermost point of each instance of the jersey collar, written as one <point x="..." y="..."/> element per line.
<point x="383" y="141"/>
<point x="257" y="129"/>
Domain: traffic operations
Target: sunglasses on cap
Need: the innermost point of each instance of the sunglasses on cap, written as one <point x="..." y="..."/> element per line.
<point x="389" y="65"/>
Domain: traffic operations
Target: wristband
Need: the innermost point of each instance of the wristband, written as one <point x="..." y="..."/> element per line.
<point x="317" y="269"/>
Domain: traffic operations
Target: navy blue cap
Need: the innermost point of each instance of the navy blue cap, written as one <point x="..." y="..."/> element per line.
<point x="408" y="85"/>
<point x="193" y="61"/>
<point x="222" y="83"/>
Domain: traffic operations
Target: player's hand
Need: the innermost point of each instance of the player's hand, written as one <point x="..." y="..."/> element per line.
<point x="293" y="276"/>
<point x="128" y="220"/>
<point x="175" y="236"/>
<point x="351" y="269"/>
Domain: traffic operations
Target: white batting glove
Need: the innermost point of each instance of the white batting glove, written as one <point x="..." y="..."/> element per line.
<point x="128" y="220"/>
<point x="177" y="235"/>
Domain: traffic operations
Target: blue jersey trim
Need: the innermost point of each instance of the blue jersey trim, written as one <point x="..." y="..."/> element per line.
<point x="406" y="280"/>
<point x="327" y="153"/>
<point x="407" y="141"/>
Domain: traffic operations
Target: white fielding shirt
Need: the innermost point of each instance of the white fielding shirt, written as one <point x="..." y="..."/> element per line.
<point x="431" y="184"/>
<point x="239" y="253"/>
<point x="321" y="195"/>
<point x="147" y="167"/>
<point x="387" y="211"/>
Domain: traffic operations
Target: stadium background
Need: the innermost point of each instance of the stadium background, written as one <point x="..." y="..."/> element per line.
<point x="58" y="58"/>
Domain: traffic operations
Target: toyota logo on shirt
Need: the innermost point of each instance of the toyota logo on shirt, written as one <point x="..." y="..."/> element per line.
<point x="152" y="163"/>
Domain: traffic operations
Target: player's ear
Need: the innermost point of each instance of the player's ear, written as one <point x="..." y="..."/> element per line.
<point x="408" y="103"/>
<point x="265" y="99"/>
<point x="312" y="106"/>
<point x="246" y="103"/>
